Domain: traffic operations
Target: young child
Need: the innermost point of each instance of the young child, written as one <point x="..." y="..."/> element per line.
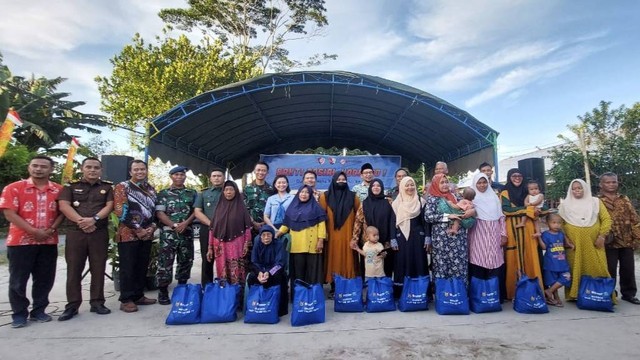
<point x="555" y="266"/>
<point x="535" y="198"/>
<point x="463" y="205"/>
<point x="373" y="259"/>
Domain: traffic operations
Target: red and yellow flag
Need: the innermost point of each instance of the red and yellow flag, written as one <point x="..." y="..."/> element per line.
<point x="67" y="171"/>
<point x="6" y="131"/>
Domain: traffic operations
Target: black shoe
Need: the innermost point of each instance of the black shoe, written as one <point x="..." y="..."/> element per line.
<point x="634" y="300"/>
<point x="163" y="297"/>
<point x="68" y="314"/>
<point x="100" y="310"/>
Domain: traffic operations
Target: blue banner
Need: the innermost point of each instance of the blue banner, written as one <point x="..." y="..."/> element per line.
<point x="325" y="166"/>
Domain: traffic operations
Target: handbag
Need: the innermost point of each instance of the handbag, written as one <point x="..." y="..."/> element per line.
<point x="261" y="305"/>
<point x="220" y="302"/>
<point x="348" y="294"/>
<point x="595" y="293"/>
<point x="414" y="294"/>
<point x="380" y="295"/>
<point x="529" y="297"/>
<point x="451" y="297"/>
<point x="484" y="295"/>
<point x="308" y="304"/>
<point x="185" y="305"/>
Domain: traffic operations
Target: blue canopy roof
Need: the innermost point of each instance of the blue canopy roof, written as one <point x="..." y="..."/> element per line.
<point x="281" y="113"/>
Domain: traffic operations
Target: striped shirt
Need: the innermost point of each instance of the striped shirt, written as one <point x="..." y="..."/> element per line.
<point x="484" y="243"/>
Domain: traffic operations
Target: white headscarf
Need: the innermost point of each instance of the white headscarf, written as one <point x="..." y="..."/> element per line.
<point x="406" y="207"/>
<point x="581" y="212"/>
<point x="487" y="203"/>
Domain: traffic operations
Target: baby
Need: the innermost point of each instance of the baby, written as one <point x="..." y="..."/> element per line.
<point x="535" y="198"/>
<point x="463" y="205"/>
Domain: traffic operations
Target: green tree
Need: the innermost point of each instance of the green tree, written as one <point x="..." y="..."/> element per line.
<point x="13" y="165"/>
<point x="256" y="27"/>
<point x="149" y="79"/>
<point x="45" y="113"/>
<point x="612" y="140"/>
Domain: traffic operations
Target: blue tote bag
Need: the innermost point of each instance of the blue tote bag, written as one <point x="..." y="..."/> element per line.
<point x="185" y="305"/>
<point x="261" y="305"/>
<point x="348" y="295"/>
<point x="529" y="297"/>
<point x="308" y="304"/>
<point x="220" y="302"/>
<point x="380" y="295"/>
<point x="451" y="297"/>
<point x="414" y="294"/>
<point x="484" y="295"/>
<point x="595" y="293"/>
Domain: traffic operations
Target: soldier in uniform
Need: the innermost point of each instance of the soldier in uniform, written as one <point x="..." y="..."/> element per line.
<point x="174" y="209"/>
<point x="205" y="207"/>
<point x="87" y="204"/>
<point x="256" y="195"/>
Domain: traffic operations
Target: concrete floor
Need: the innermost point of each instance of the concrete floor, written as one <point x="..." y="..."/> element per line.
<point x="567" y="333"/>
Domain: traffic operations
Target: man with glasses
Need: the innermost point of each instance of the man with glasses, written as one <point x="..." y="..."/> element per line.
<point x="362" y="189"/>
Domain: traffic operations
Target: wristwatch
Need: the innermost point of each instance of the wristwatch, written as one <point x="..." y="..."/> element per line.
<point x="96" y="217"/>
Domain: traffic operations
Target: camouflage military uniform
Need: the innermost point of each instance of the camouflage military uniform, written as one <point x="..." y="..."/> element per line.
<point x="178" y="205"/>
<point x="255" y="198"/>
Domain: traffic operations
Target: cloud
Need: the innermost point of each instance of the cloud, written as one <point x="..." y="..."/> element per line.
<point x="521" y="76"/>
<point x="460" y="76"/>
<point x="39" y="28"/>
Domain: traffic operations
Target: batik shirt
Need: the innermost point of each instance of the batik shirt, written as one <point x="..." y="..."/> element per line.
<point x="361" y="190"/>
<point x="134" y="205"/>
<point x="625" y="221"/>
<point x="177" y="203"/>
<point x="37" y="207"/>
<point x="255" y="198"/>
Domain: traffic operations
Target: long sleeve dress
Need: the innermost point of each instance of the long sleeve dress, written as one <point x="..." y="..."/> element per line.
<point x="586" y="259"/>
<point x="450" y="253"/>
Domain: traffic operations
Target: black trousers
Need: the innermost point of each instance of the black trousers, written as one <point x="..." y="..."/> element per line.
<point x="134" y="262"/>
<point x="79" y="247"/>
<point x="206" y="268"/>
<point x="624" y="256"/>
<point x="37" y="262"/>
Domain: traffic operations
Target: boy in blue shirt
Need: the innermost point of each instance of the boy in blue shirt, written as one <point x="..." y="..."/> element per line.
<point x="555" y="266"/>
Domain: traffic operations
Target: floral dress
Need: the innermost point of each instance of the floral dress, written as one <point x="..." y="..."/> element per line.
<point x="449" y="253"/>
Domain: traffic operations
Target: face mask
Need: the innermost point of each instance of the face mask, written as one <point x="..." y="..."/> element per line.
<point x="341" y="185"/>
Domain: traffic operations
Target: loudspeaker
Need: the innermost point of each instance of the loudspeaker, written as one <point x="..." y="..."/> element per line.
<point x="533" y="169"/>
<point x="115" y="168"/>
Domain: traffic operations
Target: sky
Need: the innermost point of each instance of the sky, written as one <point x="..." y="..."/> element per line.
<point x="525" y="68"/>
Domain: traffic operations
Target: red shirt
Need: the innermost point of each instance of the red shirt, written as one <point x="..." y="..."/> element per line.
<point x="37" y="207"/>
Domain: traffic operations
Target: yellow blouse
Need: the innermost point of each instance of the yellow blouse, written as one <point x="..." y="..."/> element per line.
<point x="306" y="240"/>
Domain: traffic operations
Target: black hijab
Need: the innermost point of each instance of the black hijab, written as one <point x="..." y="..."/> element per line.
<point x="301" y="215"/>
<point x="340" y="199"/>
<point x="517" y="194"/>
<point x="378" y="212"/>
